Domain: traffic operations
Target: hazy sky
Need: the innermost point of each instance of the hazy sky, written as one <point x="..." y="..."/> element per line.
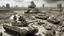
<point x="25" y="3"/>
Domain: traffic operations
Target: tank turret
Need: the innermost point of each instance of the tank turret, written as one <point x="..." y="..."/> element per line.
<point x="42" y="16"/>
<point x="32" y="5"/>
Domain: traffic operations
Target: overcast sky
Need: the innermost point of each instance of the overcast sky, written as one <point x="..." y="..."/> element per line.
<point x="25" y="3"/>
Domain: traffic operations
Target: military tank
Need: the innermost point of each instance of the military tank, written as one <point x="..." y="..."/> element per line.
<point x="53" y="20"/>
<point x="42" y="16"/>
<point x="32" y="9"/>
<point x="20" y="31"/>
<point x="20" y="28"/>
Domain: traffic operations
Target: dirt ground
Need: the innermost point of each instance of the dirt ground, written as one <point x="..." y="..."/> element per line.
<point x="59" y="15"/>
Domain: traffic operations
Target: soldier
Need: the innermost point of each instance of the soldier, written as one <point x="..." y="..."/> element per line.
<point x="15" y="18"/>
<point x="23" y="21"/>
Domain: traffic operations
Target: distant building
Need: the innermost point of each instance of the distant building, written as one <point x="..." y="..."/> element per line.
<point x="59" y="5"/>
<point x="16" y="6"/>
<point x="7" y="5"/>
<point x="3" y="6"/>
<point x="43" y="5"/>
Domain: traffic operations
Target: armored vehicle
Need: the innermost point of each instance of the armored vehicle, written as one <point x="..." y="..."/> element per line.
<point x="20" y="31"/>
<point x="20" y="27"/>
<point x="42" y="16"/>
<point x="32" y="9"/>
<point x="53" y="20"/>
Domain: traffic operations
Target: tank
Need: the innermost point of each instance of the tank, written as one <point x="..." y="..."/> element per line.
<point x="42" y="16"/>
<point x="20" y="28"/>
<point x="32" y="11"/>
<point x="53" y="20"/>
<point x="20" y="31"/>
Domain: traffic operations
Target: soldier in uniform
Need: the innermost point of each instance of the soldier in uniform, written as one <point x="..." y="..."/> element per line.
<point x="15" y="18"/>
<point x="23" y="21"/>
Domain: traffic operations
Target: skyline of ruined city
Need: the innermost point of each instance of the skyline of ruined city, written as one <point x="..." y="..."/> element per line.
<point x="25" y="3"/>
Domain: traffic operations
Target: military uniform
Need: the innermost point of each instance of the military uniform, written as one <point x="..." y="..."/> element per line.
<point x="23" y="21"/>
<point x="15" y="18"/>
